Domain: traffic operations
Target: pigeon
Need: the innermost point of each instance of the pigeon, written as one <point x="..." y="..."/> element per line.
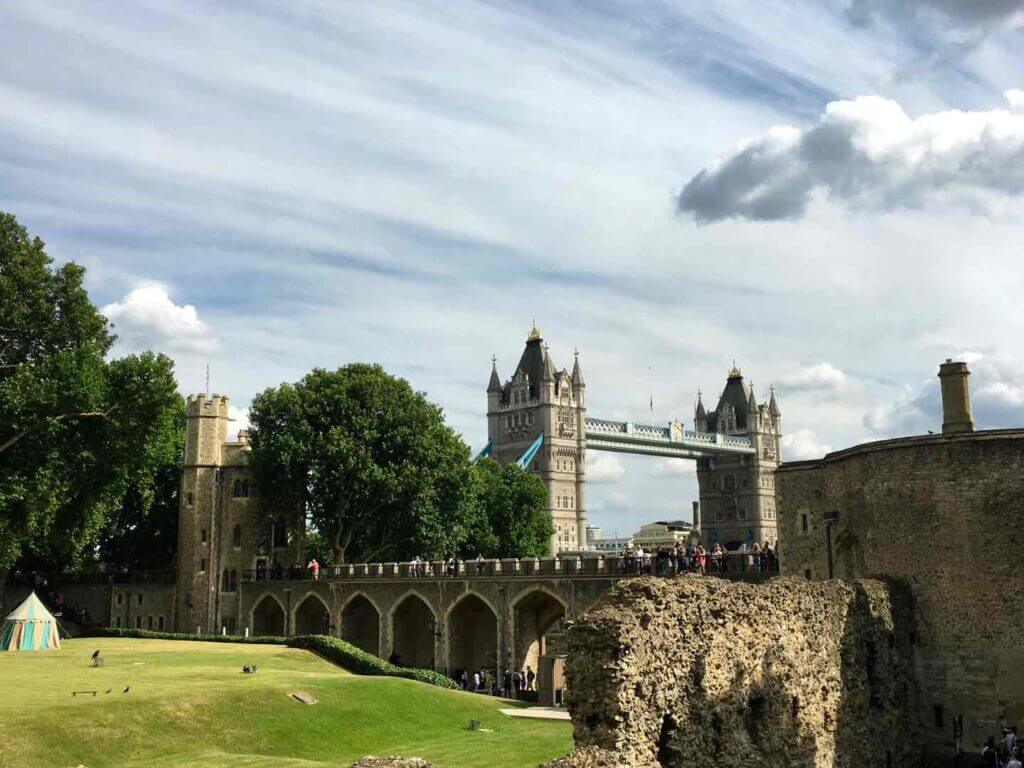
<point x="126" y="689"/>
<point x="95" y="653"/>
<point x="108" y="690"/>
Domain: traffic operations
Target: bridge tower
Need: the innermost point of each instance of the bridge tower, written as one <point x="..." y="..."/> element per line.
<point x="540" y="399"/>
<point x="737" y="491"/>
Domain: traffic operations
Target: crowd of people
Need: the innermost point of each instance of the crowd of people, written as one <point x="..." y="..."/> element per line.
<point x="1004" y="753"/>
<point x="511" y="685"/>
<point x="694" y="558"/>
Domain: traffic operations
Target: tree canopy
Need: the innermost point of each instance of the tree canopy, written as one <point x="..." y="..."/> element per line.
<point x="378" y="473"/>
<point x="78" y="432"/>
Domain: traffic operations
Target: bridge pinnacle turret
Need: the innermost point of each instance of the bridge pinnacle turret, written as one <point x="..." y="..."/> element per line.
<point x="534" y="334"/>
<point x="735" y="373"/>
<point x="577" y="373"/>
<point x="549" y="367"/>
<point x="494" y="385"/>
<point x="752" y="401"/>
<point x="773" y="407"/>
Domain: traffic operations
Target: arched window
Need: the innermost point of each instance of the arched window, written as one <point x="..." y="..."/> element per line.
<point x="245" y="488"/>
<point x="280" y="533"/>
<point x="234" y="581"/>
<point x="237" y="489"/>
<point x="236" y="536"/>
<point x="225" y="582"/>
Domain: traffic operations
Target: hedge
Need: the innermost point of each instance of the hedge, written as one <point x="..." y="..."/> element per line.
<point x="333" y="649"/>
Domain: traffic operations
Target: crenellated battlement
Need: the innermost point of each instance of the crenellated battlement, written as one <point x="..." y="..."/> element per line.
<point x="201" y="405"/>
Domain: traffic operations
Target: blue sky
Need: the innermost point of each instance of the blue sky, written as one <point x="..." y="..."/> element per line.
<point x="828" y="192"/>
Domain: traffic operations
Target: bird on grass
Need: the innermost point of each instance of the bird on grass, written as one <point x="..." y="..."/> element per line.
<point x="96" y="653"/>
<point x="109" y="690"/>
<point x="126" y="689"/>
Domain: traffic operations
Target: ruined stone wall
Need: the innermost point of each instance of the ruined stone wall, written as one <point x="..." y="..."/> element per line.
<point x="700" y="672"/>
<point x="943" y="514"/>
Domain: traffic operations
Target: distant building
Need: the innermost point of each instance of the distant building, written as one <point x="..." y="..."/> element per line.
<point x="664" y="533"/>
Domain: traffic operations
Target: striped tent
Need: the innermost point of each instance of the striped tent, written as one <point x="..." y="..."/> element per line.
<point x="29" y="628"/>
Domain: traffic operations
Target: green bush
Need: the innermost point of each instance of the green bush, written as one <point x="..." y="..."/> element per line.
<point x="335" y="650"/>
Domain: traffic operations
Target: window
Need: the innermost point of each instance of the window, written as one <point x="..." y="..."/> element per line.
<point x="190" y="498"/>
<point x="140" y="598"/>
<point x="160" y="623"/>
<point x="202" y="564"/>
<point x="803" y="522"/>
<point x="240" y="489"/>
<point x="237" y="490"/>
<point x="280" y="533"/>
<point x="225" y="581"/>
<point x="138" y="622"/>
<point x="729" y="484"/>
<point x="940" y="716"/>
<point x="120" y="599"/>
<point x="202" y="535"/>
<point x="236" y="536"/>
<point x="234" y="581"/>
<point x="149" y="622"/>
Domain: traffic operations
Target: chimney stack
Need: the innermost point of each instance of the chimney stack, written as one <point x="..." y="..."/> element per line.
<point x="956" y="397"/>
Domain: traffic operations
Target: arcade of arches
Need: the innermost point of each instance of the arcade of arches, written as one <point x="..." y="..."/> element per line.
<point x="448" y="624"/>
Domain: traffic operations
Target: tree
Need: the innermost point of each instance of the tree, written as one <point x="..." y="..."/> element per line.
<point x="76" y="430"/>
<point x="508" y="517"/>
<point x="369" y="462"/>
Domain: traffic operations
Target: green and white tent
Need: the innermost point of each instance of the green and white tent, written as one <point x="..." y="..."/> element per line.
<point x="30" y="627"/>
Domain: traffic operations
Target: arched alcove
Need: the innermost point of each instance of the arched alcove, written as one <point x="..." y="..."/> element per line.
<point x="360" y="624"/>
<point x="312" y="617"/>
<point x="412" y="631"/>
<point x="268" y="617"/>
<point x="536" y="616"/>
<point x="472" y="635"/>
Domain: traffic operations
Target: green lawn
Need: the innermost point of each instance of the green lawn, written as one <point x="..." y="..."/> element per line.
<point x="190" y="704"/>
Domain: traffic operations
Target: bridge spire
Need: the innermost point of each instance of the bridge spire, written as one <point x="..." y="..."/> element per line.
<point x="577" y="373"/>
<point x="773" y="407"/>
<point x="534" y="333"/>
<point x="495" y="383"/>
<point x="735" y="372"/>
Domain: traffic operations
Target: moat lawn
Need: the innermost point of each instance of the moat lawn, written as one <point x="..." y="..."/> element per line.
<point x="189" y="703"/>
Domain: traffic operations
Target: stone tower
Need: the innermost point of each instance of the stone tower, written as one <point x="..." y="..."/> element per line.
<point x="737" y="492"/>
<point x="206" y="431"/>
<point x="539" y="399"/>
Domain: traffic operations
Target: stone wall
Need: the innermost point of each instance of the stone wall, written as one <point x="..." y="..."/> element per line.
<point x="945" y="515"/>
<point x="698" y="672"/>
<point x="95" y="598"/>
<point x="143" y="605"/>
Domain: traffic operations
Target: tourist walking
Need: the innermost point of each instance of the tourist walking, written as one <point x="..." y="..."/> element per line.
<point x="530" y="679"/>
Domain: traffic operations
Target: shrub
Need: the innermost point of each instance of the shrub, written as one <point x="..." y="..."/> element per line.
<point x="335" y="650"/>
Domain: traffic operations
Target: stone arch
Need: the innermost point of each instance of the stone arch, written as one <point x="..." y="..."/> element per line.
<point x="472" y="625"/>
<point x="538" y="615"/>
<point x="413" y="629"/>
<point x="311" y="616"/>
<point x="267" y="616"/>
<point x="360" y="622"/>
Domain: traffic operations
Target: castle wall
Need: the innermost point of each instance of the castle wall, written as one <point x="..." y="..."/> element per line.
<point x="699" y="672"/>
<point x="142" y="605"/>
<point x="942" y="513"/>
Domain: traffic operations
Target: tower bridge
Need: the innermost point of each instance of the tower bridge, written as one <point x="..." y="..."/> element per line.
<point x="538" y="419"/>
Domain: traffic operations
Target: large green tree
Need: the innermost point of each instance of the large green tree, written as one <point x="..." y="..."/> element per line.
<point x="368" y="460"/>
<point x="77" y="431"/>
<point x="508" y="517"/>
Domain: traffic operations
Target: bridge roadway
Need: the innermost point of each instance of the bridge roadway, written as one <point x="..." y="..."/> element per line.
<point x="672" y="441"/>
<point x="486" y="614"/>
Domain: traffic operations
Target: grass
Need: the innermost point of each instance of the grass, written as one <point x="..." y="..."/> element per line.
<point x="190" y="704"/>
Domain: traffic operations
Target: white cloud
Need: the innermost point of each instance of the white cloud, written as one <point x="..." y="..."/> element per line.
<point x="147" y="317"/>
<point x="997" y="400"/>
<point x="822" y="376"/>
<point x="239" y="420"/>
<point x="866" y="152"/>
<point x="803" y="444"/>
<point x="673" y="468"/>
<point x="1015" y="98"/>
<point x="604" y="468"/>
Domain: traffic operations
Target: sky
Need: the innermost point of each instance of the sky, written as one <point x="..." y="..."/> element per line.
<point x="828" y="192"/>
